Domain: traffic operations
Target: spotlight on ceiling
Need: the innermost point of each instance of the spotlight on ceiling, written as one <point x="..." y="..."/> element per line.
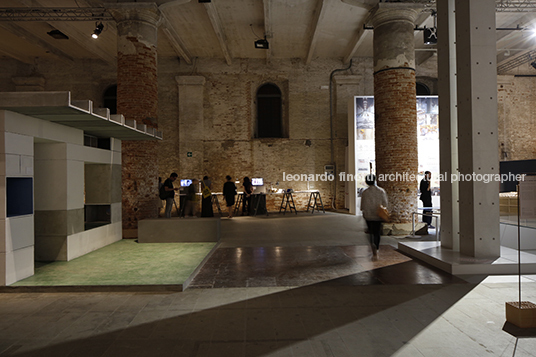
<point x="533" y="64"/>
<point x="98" y="29"/>
<point x="262" y="44"/>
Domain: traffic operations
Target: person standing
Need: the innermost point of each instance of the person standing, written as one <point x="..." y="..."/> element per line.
<point x="426" y="198"/>
<point x="248" y="190"/>
<point x="159" y="204"/>
<point x="206" y="202"/>
<point x="371" y="199"/>
<point x="191" y="199"/>
<point x="229" y="193"/>
<point x="170" y="190"/>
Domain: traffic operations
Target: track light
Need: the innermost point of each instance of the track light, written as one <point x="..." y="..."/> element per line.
<point x="98" y="29"/>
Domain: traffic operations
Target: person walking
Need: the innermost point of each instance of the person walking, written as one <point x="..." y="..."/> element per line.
<point x="229" y="193"/>
<point x="371" y="199"/>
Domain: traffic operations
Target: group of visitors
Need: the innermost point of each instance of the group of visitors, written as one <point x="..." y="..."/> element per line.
<point x="167" y="192"/>
<point x="373" y="201"/>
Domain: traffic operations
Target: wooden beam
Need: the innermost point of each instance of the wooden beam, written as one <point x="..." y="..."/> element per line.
<point x="364" y="4"/>
<point x="22" y="59"/>
<point x="76" y="35"/>
<point x="319" y="15"/>
<point x="218" y="29"/>
<point x="267" y="5"/>
<point x="31" y="38"/>
<point x="356" y="42"/>
<point x="84" y="40"/>
<point x="425" y="57"/>
<point x="175" y="40"/>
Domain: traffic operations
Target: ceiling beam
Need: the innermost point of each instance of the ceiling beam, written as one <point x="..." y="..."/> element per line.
<point x="84" y="40"/>
<point x="218" y="29"/>
<point x="364" y="4"/>
<point x="267" y="4"/>
<point x="175" y="40"/>
<point x="31" y="38"/>
<point x="76" y="35"/>
<point x="423" y="57"/>
<point x="319" y="15"/>
<point x="22" y="59"/>
<point x="356" y="42"/>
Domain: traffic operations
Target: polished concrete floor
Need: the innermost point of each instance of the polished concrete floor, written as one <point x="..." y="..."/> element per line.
<point x="394" y="307"/>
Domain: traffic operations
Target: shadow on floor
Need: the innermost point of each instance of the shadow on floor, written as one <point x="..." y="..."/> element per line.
<point x="311" y="320"/>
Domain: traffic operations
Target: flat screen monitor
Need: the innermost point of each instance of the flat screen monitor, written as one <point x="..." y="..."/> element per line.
<point x="185" y="182"/>
<point x="257" y="181"/>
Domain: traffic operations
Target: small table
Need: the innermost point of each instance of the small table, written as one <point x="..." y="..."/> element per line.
<point x="287" y="201"/>
<point x="317" y="202"/>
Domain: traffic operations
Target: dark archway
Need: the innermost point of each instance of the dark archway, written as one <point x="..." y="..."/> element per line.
<point x="422" y="89"/>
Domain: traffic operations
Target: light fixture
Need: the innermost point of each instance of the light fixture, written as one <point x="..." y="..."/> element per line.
<point x="98" y="29"/>
<point x="263" y="44"/>
<point x="260" y="43"/>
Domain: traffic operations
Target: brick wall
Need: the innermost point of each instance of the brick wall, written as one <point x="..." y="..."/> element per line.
<point x="516" y="113"/>
<point x="137" y="99"/>
<point x="396" y="138"/>
<point x="228" y="146"/>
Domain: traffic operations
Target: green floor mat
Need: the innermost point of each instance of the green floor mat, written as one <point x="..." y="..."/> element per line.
<point x="125" y="262"/>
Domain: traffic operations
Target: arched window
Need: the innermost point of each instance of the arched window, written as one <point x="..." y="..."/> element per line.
<point x="269" y="112"/>
<point x="422" y="89"/>
<point x="110" y="99"/>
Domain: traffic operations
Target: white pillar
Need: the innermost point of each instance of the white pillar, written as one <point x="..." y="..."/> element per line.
<point x="476" y="69"/>
<point x="448" y="125"/>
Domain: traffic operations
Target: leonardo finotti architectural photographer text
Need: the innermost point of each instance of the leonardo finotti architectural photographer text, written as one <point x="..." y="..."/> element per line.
<point x="405" y="176"/>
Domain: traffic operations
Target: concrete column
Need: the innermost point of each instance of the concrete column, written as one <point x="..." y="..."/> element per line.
<point x="137" y="98"/>
<point x="395" y="105"/>
<point x="476" y="69"/>
<point x="448" y="125"/>
<point x="191" y="125"/>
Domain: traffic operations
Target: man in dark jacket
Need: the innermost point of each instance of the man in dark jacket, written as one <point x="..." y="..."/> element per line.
<point x="170" y="190"/>
<point x="426" y="197"/>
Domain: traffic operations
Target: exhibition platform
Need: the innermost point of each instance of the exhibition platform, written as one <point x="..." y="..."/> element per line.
<point x="457" y="264"/>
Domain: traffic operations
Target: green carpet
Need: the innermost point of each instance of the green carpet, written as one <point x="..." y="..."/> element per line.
<point x="125" y="262"/>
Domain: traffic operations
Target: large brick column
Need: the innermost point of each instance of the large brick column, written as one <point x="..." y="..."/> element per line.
<point x="395" y="105"/>
<point x="137" y="98"/>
